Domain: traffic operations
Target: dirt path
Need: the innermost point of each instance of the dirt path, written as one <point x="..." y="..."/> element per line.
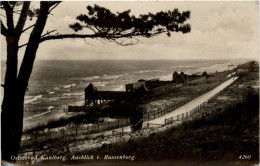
<point x="193" y="103"/>
<point x="183" y="109"/>
<point x="160" y="120"/>
<point x="96" y="140"/>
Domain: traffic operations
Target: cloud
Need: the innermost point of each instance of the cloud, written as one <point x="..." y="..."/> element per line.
<point x="219" y="30"/>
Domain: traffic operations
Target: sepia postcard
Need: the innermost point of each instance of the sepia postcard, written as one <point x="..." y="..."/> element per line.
<point x="130" y="83"/>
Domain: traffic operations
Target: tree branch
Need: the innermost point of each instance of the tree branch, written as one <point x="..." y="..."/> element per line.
<point x="41" y="36"/>
<point x="48" y="33"/>
<point x="21" y="22"/>
<point x="22" y="45"/>
<point x="3" y="29"/>
<point x="107" y="36"/>
<point x="55" y="5"/>
<point x="89" y="27"/>
<point x="16" y="12"/>
<point x="9" y="15"/>
<point x="72" y="36"/>
<point x="98" y="35"/>
<point x="87" y="43"/>
<point x="122" y="43"/>
<point x="28" y="28"/>
<point x="138" y="40"/>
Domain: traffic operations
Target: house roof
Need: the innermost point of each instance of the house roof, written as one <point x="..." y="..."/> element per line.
<point x="175" y="73"/>
<point x="204" y="73"/>
<point x="91" y="87"/>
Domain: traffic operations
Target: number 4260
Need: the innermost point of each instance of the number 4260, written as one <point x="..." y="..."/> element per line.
<point x="244" y="157"/>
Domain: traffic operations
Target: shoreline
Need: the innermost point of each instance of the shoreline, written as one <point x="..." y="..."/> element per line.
<point x="128" y="127"/>
<point x="105" y="140"/>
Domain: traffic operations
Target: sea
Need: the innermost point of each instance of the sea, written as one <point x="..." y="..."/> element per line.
<point x="56" y="84"/>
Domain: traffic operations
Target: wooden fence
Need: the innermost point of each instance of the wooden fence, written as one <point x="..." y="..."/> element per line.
<point x="169" y="108"/>
<point x="73" y="132"/>
<point x="190" y="113"/>
<point x="96" y="128"/>
<point x="184" y="116"/>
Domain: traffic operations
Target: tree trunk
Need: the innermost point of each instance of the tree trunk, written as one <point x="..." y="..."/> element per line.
<point x="12" y="106"/>
<point x="15" y="86"/>
<point x="12" y="125"/>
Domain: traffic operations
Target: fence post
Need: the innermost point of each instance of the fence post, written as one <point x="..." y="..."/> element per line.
<point x="98" y="127"/>
<point x="165" y="121"/>
<point x="177" y="117"/>
<point x="68" y="149"/>
<point x="35" y="135"/>
<point x="50" y="150"/>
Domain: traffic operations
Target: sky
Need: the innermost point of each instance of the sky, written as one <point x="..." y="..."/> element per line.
<point x="219" y="30"/>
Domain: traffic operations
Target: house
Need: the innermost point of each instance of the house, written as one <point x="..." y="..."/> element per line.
<point x="90" y="89"/>
<point x="90" y="95"/>
<point x="205" y="74"/>
<point x="179" y="77"/>
<point x="134" y="87"/>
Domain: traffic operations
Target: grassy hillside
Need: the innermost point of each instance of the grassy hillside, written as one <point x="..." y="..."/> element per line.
<point x="222" y="137"/>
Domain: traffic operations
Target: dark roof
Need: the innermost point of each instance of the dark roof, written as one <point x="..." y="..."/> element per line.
<point x="91" y="87"/>
<point x="141" y="80"/>
<point x="175" y="73"/>
<point x="204" y="73"/>
<point x="154" y="79"/>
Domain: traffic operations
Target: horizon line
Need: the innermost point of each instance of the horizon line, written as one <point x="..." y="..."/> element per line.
<point x="149" y="59"/>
